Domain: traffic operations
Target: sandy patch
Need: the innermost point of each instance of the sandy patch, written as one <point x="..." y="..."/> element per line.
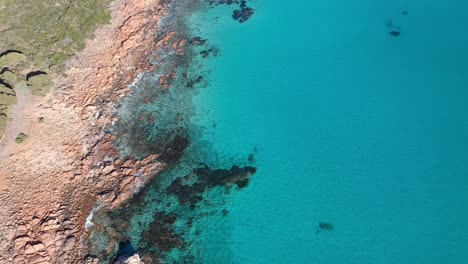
<point x="3" y="181"/>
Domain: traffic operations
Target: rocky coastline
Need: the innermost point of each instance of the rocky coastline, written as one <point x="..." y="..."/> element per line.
<point x="68" y="164"/>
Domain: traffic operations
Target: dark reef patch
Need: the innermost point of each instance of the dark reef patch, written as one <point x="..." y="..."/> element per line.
<point x="210" y="52"/>
<point x="191" y="83"/>
<point x="251" y="158"/>
<point x="393" y="30"/>
<point x="173" y="222"/>
<point x="174" y="150"/>
<point x="395" y="33"/>
<point x="160" y="234"/>
<point x="324" y="226"/>
<point x="197" y="41"/>
<point x="225" y="212"/>
<point x="189" y="189"/>
<point x="244" y="13"/>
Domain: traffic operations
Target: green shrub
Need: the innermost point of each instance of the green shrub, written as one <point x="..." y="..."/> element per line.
<point x="21" y="138"/>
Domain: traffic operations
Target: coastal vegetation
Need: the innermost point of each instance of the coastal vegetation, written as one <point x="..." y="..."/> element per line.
<point x="46" y="32"/>
<point x="37" y="38"/>
<point x="21" y="138"/>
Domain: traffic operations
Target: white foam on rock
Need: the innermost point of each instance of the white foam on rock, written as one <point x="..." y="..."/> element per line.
<point x="89" y="220"/>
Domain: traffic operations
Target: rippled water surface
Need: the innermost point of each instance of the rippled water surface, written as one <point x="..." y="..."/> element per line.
<point x="354" y="125"/>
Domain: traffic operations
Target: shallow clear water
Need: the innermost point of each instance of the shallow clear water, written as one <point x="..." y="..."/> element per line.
<point x="352" y="126"/>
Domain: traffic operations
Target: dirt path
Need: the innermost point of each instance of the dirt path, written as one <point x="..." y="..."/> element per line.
<point x="16" y="125"/>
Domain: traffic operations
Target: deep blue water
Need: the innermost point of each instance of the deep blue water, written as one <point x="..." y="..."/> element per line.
<point x="352" y="126"/>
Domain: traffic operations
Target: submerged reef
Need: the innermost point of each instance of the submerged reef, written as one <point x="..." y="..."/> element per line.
<point x="160" y="233"/>
<point x="242" y="14"/>
<point x="392" y="29"/>
<point x="189" y="189"/>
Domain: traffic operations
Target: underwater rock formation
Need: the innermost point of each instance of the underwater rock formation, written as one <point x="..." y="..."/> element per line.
<point x="393" y="30"/>
<point x="244" y="13"/>
<point x="160" y="233"/>
<point x="324" y="226"/>
<point x="189" y="189"/>
<point x="197" y="41"/>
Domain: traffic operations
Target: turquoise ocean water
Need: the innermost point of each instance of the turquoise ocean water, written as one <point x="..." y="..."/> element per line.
<point x="352" y="126"/>
<point x="321" y="132"/>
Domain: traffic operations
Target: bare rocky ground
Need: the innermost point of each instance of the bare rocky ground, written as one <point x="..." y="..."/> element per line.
<point x="52" y="180"/>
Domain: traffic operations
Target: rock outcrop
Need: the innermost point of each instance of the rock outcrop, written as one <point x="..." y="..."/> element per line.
<point x="134" y="259"/>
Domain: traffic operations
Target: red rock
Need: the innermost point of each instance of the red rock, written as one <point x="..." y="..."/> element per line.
<point x="29" y="250"/>
<point x="69" y="243"/>
<point x="38" y="246"/>
<point x="128" y="164"/>
<point x="38" y="259"/>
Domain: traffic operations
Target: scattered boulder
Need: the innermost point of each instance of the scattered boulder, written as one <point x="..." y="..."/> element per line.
<point x="324" y="226"/>
<point x="393" y="30"/>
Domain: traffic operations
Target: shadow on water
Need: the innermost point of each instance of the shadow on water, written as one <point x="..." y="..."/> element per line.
<point x="125" y="250"/>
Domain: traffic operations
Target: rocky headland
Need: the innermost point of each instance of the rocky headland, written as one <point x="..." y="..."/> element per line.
<point x="65" y="164"/>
